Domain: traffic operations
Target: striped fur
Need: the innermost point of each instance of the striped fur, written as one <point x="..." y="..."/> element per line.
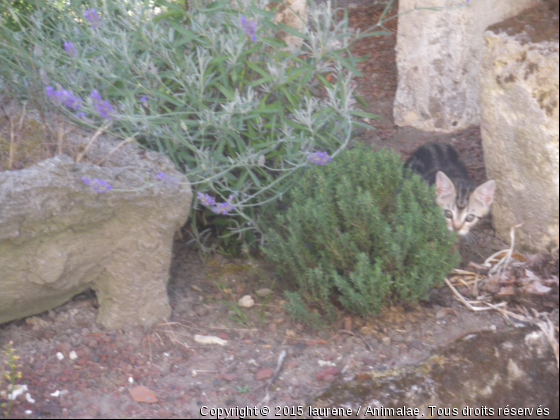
<point x="463" y="204"/>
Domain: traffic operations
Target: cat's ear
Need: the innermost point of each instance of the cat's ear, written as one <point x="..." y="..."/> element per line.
<point x="485" y="192"/>
<point x="444" y="185"/>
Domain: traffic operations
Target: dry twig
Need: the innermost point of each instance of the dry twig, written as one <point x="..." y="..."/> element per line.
<point x="354" y="335"/>
<point x="93" y="138"/>
<point x="496" y="264"/>
<point x="280" y="363"/>
<point x="503" y="263"/>
<point x="117" y="147"/>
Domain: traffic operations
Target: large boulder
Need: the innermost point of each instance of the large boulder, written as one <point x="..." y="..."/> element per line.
<point x="519" y="124"/>
<point x="439" y="52"/>
<point x="63" y="231"/>
<point x="507" y="374"/>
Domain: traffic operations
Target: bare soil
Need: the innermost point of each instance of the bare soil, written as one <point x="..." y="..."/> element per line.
<point x="186" y="378"/>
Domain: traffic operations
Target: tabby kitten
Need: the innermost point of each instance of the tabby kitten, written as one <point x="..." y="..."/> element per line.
<point x="463" y="204"/>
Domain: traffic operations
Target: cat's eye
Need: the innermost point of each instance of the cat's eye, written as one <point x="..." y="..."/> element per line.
<point x="448" y="214"/>
<point x="470" y="218"/>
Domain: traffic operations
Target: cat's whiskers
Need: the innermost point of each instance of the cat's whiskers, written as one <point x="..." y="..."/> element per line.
<point x="470" y="238"/>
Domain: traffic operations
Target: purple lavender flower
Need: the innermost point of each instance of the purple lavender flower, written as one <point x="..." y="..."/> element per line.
<point x="64" y="97"/>
<point x="98" y="185"/>
<point x="144" y="99"/>
<point x="224" y="208"/>
<point x="95" y="95"/>
<point x="206" y="200"/>
<point x="70" y="100"/>
<point x="319" y="158"/>
<point x="250" y="28"/>
<point x="220" y="208"/>
<point x="104" y="108"/>
<point x="70" y="49"/>
<point x="166" y="179"/>
<point x="101" y="186"/>
<point x="93" y="17"/>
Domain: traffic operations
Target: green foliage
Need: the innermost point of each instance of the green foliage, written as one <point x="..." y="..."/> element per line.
<point x="238" y="315"/>
<point x="22" y="8"/>
<point x="237" y="111"/>
<point x="296" y="308"/>
<point x="361" y="232"/>
<point x="243" y="389"/>
<point x="9" y="376"/>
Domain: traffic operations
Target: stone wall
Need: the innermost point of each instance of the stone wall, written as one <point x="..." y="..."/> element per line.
<point x="519" y="80"/>
<point x="439" y="53"/>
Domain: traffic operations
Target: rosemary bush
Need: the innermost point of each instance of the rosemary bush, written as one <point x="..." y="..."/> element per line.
<point x="214" y="88"/>
<point x="361" y="232"/>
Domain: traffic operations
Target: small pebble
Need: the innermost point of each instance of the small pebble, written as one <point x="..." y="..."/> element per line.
<point x="263" y="292"/>
<point x="209" y="339"/>
<point x="264" y="374"/>
<point x="246" y="302"/>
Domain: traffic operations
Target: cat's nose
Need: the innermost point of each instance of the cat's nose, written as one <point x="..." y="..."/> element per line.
<point x="457" y="227"/>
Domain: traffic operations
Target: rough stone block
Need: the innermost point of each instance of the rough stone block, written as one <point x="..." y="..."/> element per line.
<point x="519" y="124"/>
<point x="439" y="52"/>
<point x="59" y="237"/>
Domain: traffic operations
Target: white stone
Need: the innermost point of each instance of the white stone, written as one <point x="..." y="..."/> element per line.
<point x="246" y="302"/>
<point x="209" y="339"/>
<point x="16" y="391"/>
<point x="439" y="53"/>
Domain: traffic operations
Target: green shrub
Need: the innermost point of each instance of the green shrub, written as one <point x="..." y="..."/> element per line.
<point x="214" y="88"/>
<point x="361" y="232"/>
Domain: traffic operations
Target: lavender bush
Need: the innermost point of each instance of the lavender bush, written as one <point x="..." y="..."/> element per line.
<point x="215" y="89"/>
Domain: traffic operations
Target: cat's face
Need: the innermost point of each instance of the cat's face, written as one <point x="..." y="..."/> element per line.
<point x="462" y="205"/>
